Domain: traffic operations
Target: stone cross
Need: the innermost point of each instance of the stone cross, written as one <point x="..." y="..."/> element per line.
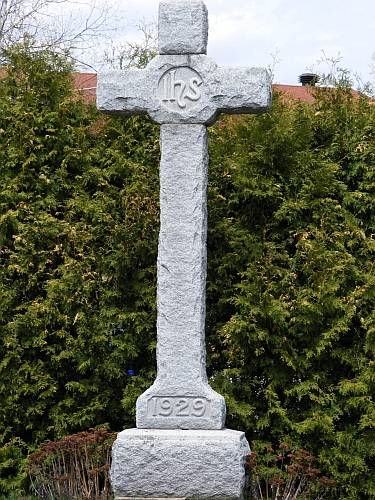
<point x="184" y="91"/>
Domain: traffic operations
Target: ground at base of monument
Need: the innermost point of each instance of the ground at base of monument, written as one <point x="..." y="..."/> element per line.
<point x="190" y="464"/>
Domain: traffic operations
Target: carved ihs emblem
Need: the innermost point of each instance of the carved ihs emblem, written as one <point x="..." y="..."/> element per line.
<point x="180" y="88"/>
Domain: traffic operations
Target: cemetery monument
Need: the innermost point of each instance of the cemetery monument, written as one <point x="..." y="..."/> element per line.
<point x="180" y="448"/>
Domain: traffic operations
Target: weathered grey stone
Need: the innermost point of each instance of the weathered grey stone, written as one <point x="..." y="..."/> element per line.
<point x="183" y="27"/>
<point x="175" y="463"/>
<point x="181" y="397"/>
<point x="184" y="89"/>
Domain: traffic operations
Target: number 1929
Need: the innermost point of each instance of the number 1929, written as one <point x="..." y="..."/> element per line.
<point x="177" y="407"/>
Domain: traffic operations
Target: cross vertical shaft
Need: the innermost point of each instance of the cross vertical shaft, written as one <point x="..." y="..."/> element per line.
<point x="181" y="396"/>
<point x="182" y="255"/>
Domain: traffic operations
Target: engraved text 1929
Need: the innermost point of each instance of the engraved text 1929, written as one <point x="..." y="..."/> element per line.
<point x="178" y="407"/>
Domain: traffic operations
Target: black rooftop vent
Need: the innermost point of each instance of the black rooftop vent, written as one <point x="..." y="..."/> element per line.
<point x="308" y="79"/>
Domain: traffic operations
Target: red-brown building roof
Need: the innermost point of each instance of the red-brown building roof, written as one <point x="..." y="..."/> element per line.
<point x="295" y="91"/>
<point x="87" y="83"/>
<point x="303" y="93"/>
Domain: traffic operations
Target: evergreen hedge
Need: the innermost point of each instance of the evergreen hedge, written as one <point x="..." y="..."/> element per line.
<point x="291" y="279"/>
<point x="290" y="292"/>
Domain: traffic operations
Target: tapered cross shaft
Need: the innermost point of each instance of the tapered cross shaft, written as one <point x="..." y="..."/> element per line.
<point x="184" y="91"/>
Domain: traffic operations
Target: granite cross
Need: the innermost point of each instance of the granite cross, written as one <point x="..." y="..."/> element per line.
<point x="184" y="91"/>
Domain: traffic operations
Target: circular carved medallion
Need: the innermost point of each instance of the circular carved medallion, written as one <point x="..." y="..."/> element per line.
<point x="180" y="89"/>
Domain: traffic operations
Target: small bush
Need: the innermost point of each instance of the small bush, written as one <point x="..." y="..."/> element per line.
<point x="279" y="475"/>
<point x="77" y="466"/>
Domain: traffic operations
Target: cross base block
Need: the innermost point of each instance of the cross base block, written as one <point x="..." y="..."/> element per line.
<point x="179" y="464"/>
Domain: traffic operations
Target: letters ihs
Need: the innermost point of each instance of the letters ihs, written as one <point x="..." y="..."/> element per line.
<point x="180" y="84"/>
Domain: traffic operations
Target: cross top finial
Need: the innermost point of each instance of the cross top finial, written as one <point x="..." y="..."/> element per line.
<point x="183" y="27"/>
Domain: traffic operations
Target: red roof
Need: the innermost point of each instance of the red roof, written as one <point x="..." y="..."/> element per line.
<point x="87" y="83"/>
<point x="296" y="92"/>
<point x="303" y="93"/>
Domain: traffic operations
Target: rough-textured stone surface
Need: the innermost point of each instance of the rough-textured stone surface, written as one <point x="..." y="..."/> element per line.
<point x="171" y="463"/>
<point x="181" y="397"/>
<point x="184" y="89"/>
<point x="183" y="27"/>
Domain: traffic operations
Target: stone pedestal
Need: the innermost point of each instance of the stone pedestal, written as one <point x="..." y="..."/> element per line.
<point x="161" y="463"/>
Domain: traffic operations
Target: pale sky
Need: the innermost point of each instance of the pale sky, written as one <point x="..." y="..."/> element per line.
<point x="247" y="32"/>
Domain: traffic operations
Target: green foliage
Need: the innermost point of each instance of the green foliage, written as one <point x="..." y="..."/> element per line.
<point x="290" y="292"/>
<point x="291" y="279"/>
<point x="78" y="234"/>
<point x="13" y="465"/>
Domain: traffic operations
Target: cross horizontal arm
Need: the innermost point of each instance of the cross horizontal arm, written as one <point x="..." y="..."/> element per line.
<point x="124" y="92"/>
<point x="241" y="90"/>
<point x="184" y="89"/>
